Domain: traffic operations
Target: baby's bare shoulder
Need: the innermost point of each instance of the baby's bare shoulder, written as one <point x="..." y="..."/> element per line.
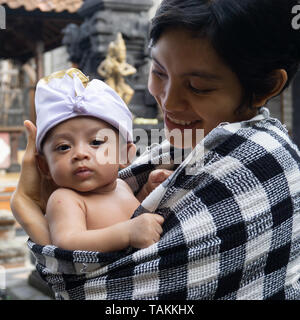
<point x="64" y="202"/>
<point x="64" y="195"/>
<point x="124" y="185"/>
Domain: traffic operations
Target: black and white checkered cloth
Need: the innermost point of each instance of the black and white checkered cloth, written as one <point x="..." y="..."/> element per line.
<point x="232" y="228"/>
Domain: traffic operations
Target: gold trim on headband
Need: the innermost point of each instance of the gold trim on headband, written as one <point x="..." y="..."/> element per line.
<point x="60" y="74"/>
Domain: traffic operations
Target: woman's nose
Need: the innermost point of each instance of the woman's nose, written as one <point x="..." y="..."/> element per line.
<point x="172" y="100"/>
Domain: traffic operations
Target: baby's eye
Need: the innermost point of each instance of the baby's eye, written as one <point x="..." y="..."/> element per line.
<point x="63" y="147"/>
<point x="96" y="142"/>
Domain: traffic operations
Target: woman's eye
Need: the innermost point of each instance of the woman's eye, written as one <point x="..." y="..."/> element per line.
<point x="200" y="91"/>
<point x="63" y="147"/>
<point x="158" y="73"/>
<point x="96" y="142"/>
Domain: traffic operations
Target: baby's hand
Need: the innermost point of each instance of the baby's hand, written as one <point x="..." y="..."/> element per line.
<point x="145" y="230"/>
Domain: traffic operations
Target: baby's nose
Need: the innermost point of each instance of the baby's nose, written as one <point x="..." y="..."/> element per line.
<point x="81" y="154"/>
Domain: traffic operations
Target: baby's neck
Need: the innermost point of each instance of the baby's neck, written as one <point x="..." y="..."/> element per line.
<point x="106" y="189"/>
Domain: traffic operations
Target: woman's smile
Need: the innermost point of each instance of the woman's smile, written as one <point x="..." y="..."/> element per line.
<point x="177" y="123"/>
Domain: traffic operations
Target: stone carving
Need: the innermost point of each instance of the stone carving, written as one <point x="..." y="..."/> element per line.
<point x="88" y="43"/>
<point x="77" y="41"/>
<point x="114" y="68"/>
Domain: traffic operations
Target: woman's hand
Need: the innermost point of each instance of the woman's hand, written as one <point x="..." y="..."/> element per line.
<point x="33" y="190"/>
<point x="145" y="230"/>
<point x="32" y="183"/>
<point x="156" y="177"/>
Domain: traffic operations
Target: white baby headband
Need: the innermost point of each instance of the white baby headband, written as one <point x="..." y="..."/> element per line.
<point x="63" y="96"/>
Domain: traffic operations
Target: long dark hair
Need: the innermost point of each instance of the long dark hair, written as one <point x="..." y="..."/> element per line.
<point x="253" y="37"/>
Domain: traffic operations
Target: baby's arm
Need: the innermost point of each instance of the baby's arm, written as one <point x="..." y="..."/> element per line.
<point x="156" y="177"/>
<point x="67" y="223"/>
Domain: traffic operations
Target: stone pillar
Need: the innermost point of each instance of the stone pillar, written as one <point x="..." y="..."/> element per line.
<point x="14" y="141"/>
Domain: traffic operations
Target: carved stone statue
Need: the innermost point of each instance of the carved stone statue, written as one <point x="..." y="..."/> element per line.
<point x="114" y="68"/>
<point x="88" y="43"/>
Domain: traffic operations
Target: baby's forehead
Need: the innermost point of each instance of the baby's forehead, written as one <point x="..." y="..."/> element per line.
<point x="81" y="126"/>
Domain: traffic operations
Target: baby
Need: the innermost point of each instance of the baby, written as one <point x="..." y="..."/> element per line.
<point x="84" y="130"/>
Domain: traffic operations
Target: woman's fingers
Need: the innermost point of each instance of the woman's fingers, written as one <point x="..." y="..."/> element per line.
<point x="30" y="175"/>
<point x="29" y="172"/>
<point x="30" y="152"/>
<point x="159" y="175"/>
<point x="31" y="129"/>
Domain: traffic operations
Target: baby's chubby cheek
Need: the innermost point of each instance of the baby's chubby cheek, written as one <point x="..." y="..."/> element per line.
<point x="60" y="176"/>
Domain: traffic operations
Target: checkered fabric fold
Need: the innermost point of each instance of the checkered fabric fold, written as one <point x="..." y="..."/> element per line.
<point x="231" y="230"/>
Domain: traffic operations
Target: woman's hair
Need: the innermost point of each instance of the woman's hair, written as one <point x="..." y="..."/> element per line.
<point x="253" y="37"/>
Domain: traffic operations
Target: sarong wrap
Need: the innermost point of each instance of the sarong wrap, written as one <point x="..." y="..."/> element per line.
<point x="231" y="230"/>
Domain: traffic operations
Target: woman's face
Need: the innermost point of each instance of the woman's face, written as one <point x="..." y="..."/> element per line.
<point x="192" y="85"/>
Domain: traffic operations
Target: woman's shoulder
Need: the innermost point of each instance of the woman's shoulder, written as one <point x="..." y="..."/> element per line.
<point x="260" y="153"/>
<point x="255" y="139"/>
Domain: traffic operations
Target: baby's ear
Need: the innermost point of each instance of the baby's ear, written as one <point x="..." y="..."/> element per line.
<point x="43" y="165"/>
<point x="131" y="152"/>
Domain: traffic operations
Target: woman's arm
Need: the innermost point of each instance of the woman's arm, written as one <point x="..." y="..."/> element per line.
<point x="67" y="222"/>
<point x="31" y="218"/>
<point x="30" y="197"/>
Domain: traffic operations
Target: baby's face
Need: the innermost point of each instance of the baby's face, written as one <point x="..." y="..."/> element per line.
<point x="81" y="156"/>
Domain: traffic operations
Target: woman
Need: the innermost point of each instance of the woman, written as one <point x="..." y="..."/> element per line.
<point x="232" y="227"/>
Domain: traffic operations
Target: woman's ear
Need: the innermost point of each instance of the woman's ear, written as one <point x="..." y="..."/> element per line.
<point x="130" y="152"/>
<point x="43" y="166"/>
<point x="281" y="78"/>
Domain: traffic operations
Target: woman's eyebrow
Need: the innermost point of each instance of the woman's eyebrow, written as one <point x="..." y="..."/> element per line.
<point x="197" y="73"/>
<point x="204" y="75"/>
<point x="156" y="61"/>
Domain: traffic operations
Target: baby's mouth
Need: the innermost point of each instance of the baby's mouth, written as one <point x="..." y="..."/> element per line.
<point x="83" y="172"/>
